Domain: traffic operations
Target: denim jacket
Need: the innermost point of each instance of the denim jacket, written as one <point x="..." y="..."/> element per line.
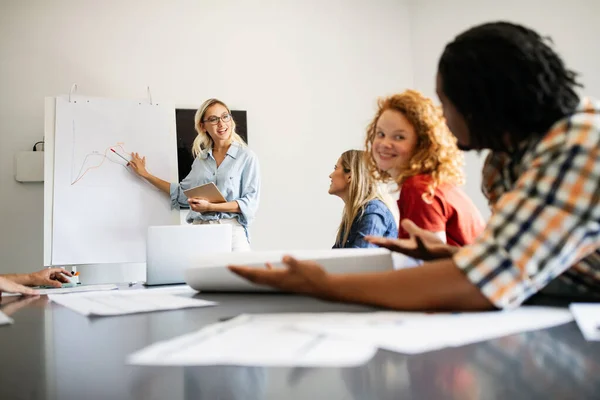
<point x="377" y="220"/>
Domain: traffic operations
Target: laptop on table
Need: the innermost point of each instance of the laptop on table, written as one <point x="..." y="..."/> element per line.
<point x="172" y="249"/>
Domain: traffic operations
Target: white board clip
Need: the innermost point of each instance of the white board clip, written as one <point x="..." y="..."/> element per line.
<point x="73" y="90"/>
<point x="149" y="96"/>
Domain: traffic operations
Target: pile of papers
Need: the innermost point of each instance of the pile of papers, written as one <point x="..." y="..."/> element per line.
<point x="339" y="339"/>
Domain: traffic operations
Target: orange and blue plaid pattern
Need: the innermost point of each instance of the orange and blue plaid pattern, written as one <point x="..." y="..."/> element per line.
<point x="545" y="219"/>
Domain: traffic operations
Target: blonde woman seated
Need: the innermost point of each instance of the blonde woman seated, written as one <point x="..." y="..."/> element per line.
<point x="365" y="212"/>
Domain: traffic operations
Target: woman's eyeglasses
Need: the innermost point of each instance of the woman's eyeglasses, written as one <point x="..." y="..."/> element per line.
<point x="214" y="120"/>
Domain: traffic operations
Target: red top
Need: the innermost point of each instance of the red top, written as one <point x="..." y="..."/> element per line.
<point x="450" y="211"/>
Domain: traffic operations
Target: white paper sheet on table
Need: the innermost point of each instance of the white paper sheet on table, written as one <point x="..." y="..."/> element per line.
<point x="75" y="289"/>
<point x="587" y="316"/>
<point x="338" y="339"/>
<point x="125" y="302"/>
<point x="78" y="289"/>
<point x="417" y="333"/>
<point x="5" y="319"/>
<point x="255" y="340"/>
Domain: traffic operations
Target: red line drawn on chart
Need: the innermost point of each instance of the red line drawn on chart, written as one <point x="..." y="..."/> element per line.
<point x="83" y="172"/>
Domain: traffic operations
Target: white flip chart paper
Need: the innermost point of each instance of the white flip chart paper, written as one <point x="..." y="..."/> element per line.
<point x="102" y="209"/>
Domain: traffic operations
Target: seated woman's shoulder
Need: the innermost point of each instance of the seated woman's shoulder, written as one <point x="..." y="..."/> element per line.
<point x="376" y="205"/>
<point x="379" y="211"/>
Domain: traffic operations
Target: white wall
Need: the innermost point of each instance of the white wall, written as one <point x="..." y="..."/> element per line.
<point x="573" y="26"/>
<point x="308" y="72"/>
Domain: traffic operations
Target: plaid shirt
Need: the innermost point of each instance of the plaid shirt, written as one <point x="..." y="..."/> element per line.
<point x="545" y="221"/>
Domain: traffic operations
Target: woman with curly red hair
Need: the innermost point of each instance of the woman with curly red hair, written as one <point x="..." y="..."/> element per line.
<point x="408" y="142"/>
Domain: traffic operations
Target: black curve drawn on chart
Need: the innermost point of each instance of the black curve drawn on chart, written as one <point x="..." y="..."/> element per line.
<point x="83" y="172"/>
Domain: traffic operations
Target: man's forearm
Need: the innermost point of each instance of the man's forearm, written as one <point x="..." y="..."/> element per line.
<point x="437" y="285"/>
<point x="21" y="279"/>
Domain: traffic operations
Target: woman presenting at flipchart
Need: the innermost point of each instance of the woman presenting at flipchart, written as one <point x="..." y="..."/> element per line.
<point x="221" y="157"/>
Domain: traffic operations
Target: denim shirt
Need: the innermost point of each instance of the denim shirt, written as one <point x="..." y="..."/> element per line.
<point x="238" y="179"/>
<point x="377" y="220"/>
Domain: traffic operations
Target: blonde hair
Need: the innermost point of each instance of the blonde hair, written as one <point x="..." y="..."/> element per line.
<point x="362" y="190"/>
<point x="436" y="153"/>
<point x="203" y="141"/>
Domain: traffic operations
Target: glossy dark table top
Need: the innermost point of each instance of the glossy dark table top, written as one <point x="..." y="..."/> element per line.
<point x="51" y="352"/>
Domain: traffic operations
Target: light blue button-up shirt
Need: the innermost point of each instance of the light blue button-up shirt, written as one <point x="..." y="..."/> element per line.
<point x="238" y="179"/>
